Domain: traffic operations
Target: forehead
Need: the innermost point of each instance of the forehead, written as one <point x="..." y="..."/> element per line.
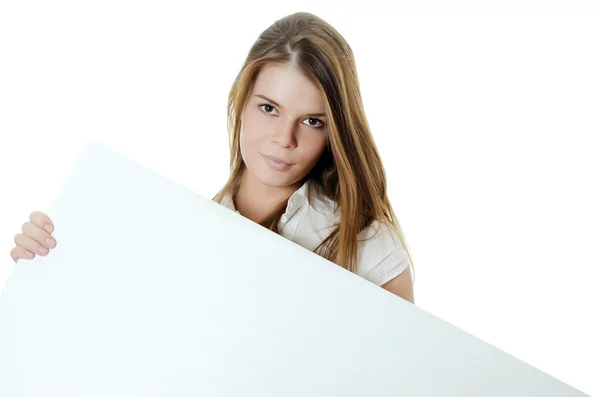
<point x="289" y="87"/>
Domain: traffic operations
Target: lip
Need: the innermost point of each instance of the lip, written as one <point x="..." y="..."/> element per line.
<point x="278" y="160"/>
<point x="277" y="163"/>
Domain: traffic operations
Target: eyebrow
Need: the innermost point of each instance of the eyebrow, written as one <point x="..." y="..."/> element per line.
<point x="276" y="104"/>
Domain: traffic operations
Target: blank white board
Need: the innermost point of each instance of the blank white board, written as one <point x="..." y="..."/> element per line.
<point x="153" y="290"/>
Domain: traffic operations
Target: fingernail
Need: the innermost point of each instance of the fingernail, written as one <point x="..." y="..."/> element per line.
<point x="28" y="254"/>
<point x="48" y="228"/>
<point x="43" y="250"/>
<point x="50" y="243"/>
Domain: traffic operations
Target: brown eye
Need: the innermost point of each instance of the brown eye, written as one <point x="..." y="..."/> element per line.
<point x="266" y="105"/>
<point x="269" y="108"/>
<point x="317" y="120"/>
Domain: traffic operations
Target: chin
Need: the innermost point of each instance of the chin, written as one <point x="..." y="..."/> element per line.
<point x="274" y="180"/>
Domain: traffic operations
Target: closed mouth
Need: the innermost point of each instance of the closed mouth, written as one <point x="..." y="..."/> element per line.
<point x="278" y="160"/>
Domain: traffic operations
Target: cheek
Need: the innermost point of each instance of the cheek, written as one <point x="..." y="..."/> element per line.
<point x="246" y="147"/>
<point x="313" y="148"/>
<point x="253" y="127"/>
<point x="248" y="135"/>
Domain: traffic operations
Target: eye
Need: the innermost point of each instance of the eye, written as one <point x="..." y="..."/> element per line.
<point x="317" y="120"/>
<point x="266" y="105"/>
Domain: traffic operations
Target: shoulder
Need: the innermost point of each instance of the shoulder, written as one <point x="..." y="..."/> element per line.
<point x="381" y="255"/>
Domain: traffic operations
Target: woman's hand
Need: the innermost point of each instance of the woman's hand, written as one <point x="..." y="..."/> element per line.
<point x="36" y="238"/>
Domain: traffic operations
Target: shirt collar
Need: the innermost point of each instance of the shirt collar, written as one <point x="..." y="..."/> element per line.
<point x="227" y="202"/>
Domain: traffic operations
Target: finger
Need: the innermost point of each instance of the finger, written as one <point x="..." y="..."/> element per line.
<point x="31" y="245"/>
<point x="39" y="235"/>
<point x="42" y="221"/>
<point x="19" y="252"/>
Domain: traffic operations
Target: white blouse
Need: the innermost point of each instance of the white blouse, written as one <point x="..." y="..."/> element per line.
<point x="308" y="221"/>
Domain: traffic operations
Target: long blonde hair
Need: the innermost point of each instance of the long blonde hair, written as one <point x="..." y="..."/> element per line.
<point x="350" y="171"/>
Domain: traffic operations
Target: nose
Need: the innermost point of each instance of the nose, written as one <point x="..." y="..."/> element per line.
<point x="284" y="133"/>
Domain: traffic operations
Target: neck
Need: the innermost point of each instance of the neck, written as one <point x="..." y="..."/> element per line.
<point x="255" y="200"/>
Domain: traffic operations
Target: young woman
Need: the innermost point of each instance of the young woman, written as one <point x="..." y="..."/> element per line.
<point x="303" y="161"/>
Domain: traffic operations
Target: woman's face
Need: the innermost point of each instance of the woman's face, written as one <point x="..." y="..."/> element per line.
<point x="282" y="137"/>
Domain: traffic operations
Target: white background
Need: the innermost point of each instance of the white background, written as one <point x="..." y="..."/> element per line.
<point x="486" y="115"/>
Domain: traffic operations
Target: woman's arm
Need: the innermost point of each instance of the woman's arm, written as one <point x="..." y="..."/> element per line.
<point x="402" y="286"/>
